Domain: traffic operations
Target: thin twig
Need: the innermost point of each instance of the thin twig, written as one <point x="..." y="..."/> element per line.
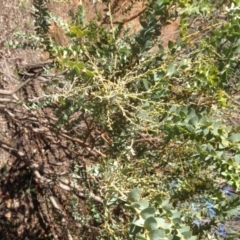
<point x="83" y="143"/>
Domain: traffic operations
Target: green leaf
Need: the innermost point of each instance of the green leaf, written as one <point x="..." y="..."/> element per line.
<point x="193" y="121"/>
<point x="203" y="120"/>
<point x="77" y="32"/>
<point x="79" y="66"/>
<point x="143" y="204"/>
<point x="141" y="237"/>
<point x="146" y="84"/>
<point x="237" y="158"/>
<point x="234" y="137"/>
<point x="185" y="232"/>
<point x="166" y="205"/>
<point x="171" y="69"/>
<point x="217" y="124"/>
<point x="143" y="23"/>
<point x="69" y="63"/>
<point x="192" y="238"/>
<point x="146" y="105"/>
<point x="225" y="142"/>
<point x="135" y="205"/>
<point x="88" y="73"/>
<point x="143" y="114"/>
<point x="157" y="76"/>
<point x="163" y="224"/>
<point x="134" y="195"/>
<point x="176" y="217"/>
<point x="72" y="73"/>
<point x="171" y="44"/>
<point x="206" y="131"/>
<point x="156" y="234"/>
<point x="151" y="224"/>
<point x="158" y="199"/>
<point x="147" y="212"/>
<point x="140" y="222"/>
<point x="134" y="229"/>
<point x="189" y="128"/>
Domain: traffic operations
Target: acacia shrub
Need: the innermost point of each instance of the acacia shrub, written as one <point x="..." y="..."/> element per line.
<point x="157" y="108"/>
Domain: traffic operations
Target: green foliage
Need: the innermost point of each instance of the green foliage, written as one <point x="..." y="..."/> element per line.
<point x="160" y="107"/>
<point x="24" y="41"/>
<point x="159" y="222"/>
<point x="42" y="23"/>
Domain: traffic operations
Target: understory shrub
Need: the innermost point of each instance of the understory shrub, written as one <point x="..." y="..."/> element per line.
<point x="167" y="141"/>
